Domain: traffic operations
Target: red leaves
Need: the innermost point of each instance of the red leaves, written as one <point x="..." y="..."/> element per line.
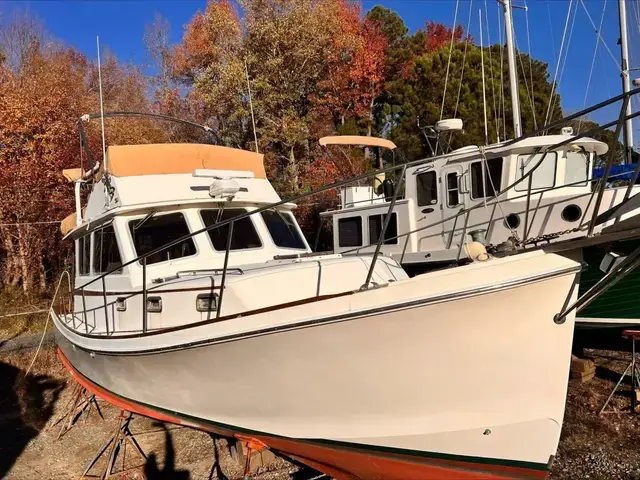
<point x="439" y="35"/>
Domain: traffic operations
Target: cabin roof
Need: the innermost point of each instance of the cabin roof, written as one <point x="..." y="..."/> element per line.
<point x="172" y="158"/>
<point x="527" y="144"/>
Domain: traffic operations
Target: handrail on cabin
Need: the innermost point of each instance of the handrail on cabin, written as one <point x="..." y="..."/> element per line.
<point x="357" y="178"/>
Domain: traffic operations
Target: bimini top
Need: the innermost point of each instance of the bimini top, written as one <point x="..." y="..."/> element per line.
<point x="172" y="158"/>
<point x="357" y="140"/>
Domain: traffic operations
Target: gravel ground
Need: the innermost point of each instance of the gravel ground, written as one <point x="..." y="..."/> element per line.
<point x="591" y="447"/>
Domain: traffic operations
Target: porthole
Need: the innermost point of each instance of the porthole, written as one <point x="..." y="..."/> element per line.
<point x="512" y="221"/>
<point x="571" y="213"/>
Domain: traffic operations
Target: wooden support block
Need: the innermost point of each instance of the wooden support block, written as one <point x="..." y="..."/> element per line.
<point x="583" y="376"/>
<point x="582" y="365"/>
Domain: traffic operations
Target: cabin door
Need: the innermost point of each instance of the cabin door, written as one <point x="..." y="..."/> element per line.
<point x="454" y="198"/>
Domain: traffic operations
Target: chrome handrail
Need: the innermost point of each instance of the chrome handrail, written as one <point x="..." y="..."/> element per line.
<point x="381" y="239"/>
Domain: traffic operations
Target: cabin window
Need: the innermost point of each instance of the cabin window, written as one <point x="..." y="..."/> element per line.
<point x="376" y="222"/>
<point x="576" y="170"/>
<point x="283" y="229"/>
<point x="542" y="177"/>
<point x="84" y="255"/>
<point x="453" y="191"/>
<point x="106" y="255"/>
<point x="427" y="184"/>
<point x="156" y="231"/>
<point x="492" y="178"/>
<point x="244" y="233"/>
<point x="350" y="232"/>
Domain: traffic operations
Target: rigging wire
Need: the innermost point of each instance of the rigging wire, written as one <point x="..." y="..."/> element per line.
<point x="493" y="91"/>
<point x="526" y="16"/>
<point x="446" y="78"/>
<point x="553" y="42"/>
<point x="600" y="36"/>
<point x="464" y="61"/>
<point x="558" y="60"/>
<point x="526" y="83"/>
<point x="504" y="113"/>
<point x="593" y="62"/>
<point x="564" y="62"/>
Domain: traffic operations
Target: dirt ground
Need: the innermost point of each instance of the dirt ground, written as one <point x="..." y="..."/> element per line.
<point x="592" y="446"/>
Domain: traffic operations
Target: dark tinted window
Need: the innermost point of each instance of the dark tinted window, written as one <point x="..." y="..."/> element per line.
<point x="453" y="195"/>
<point x="427" y="188"/>
<point x="159" y="230"/>
<point x="244" y="233"/>
<point x="84" y="253"/>
<point x="492" y="181"/>
<point x="350" y="232"/>
<point x="106" y="255"/>
<point x="376" y="222"/>
<point x="283" y="230"/>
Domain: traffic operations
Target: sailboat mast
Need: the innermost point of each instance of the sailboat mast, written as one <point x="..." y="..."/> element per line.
<point x="626" y="81"/>
<point x="513" y="73"/>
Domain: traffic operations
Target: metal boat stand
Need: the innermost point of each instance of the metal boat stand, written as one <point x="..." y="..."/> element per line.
<point x="116" y="446"/>
<point x="81" y="404"/>
<point x="633" y="335"/>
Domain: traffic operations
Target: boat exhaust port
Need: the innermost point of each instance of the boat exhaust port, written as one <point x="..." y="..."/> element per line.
<point x="121" y="304"/>
<point x="207" y="302"/>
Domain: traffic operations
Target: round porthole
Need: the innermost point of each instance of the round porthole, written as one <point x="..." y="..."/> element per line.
<point x="571" y="213"/>
<point x="512" y="221"/>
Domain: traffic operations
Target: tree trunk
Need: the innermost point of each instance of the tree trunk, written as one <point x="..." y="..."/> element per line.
<point x="23" y="260"/>
<point x="293" y="172"/>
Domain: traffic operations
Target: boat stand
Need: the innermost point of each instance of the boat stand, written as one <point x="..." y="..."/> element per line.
<point x="81" y="404"/>
<point x="635" y="374"/>
<point x="116" y="446"/>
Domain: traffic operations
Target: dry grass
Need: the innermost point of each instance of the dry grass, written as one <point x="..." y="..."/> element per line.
<point x="14" y="301"/>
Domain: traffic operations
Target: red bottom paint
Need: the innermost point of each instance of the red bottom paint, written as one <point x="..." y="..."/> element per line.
<point x="340" y="462"/>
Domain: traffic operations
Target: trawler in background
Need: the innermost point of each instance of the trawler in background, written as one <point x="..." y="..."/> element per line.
<point x="512" y="195"/>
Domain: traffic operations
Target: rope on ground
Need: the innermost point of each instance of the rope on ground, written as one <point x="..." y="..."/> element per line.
<point x="19" y="314"/>
<point x="29" y="223"/>
<point x="44" y="330"/>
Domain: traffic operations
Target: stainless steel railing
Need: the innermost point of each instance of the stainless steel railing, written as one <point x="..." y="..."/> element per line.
<point x="464" y="212"/>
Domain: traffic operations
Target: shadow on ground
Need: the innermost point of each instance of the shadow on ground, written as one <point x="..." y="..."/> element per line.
<point x="151" y="469"/>
<point x="26" y="404"/>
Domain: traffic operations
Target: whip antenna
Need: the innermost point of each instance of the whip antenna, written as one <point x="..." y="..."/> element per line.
<point x="104" y="148"/>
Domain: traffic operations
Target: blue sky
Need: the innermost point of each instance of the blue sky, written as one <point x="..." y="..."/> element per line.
<point x="120" y="25"/>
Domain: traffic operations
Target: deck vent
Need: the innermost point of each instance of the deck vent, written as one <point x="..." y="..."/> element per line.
<point x="207" y="302"/>
<point x="154" y="304"/>
<point x="121" y="304"/>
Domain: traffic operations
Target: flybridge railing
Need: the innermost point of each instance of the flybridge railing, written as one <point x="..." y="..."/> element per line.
<point x="80" y="291"/>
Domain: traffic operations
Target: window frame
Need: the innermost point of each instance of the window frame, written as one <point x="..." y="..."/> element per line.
<point x="361" y="231"/>
<point x="93" y="251"/>
<point x="231" y="250"/>
<point x="393" y="241"/>
<point x="295" y="224"/>
<point x="449" y="190"/>
<point x="418" y="188"/>
<point x="80" y="254"/>
<point x="524" y="185"/>
<point x="161" y="214"/>
<point x="482" y="166"/>
<point x="587" y="169"/>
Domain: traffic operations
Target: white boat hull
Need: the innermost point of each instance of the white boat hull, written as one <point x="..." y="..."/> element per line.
<point x="482" y="374"/>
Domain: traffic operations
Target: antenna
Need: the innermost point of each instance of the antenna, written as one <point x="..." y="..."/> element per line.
<point x="484" y="96"/>
<point x="104" y="148"/>
<point x="253" y="120"/>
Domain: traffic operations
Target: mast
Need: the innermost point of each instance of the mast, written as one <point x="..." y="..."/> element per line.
<point x="626" y="83"/>
<point x="513" y="73"/>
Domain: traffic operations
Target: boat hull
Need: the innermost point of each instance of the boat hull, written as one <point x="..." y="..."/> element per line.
<point x="472" y="387"/>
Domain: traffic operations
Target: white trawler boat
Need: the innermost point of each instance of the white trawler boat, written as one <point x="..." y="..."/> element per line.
<point x="198" y="301"/>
